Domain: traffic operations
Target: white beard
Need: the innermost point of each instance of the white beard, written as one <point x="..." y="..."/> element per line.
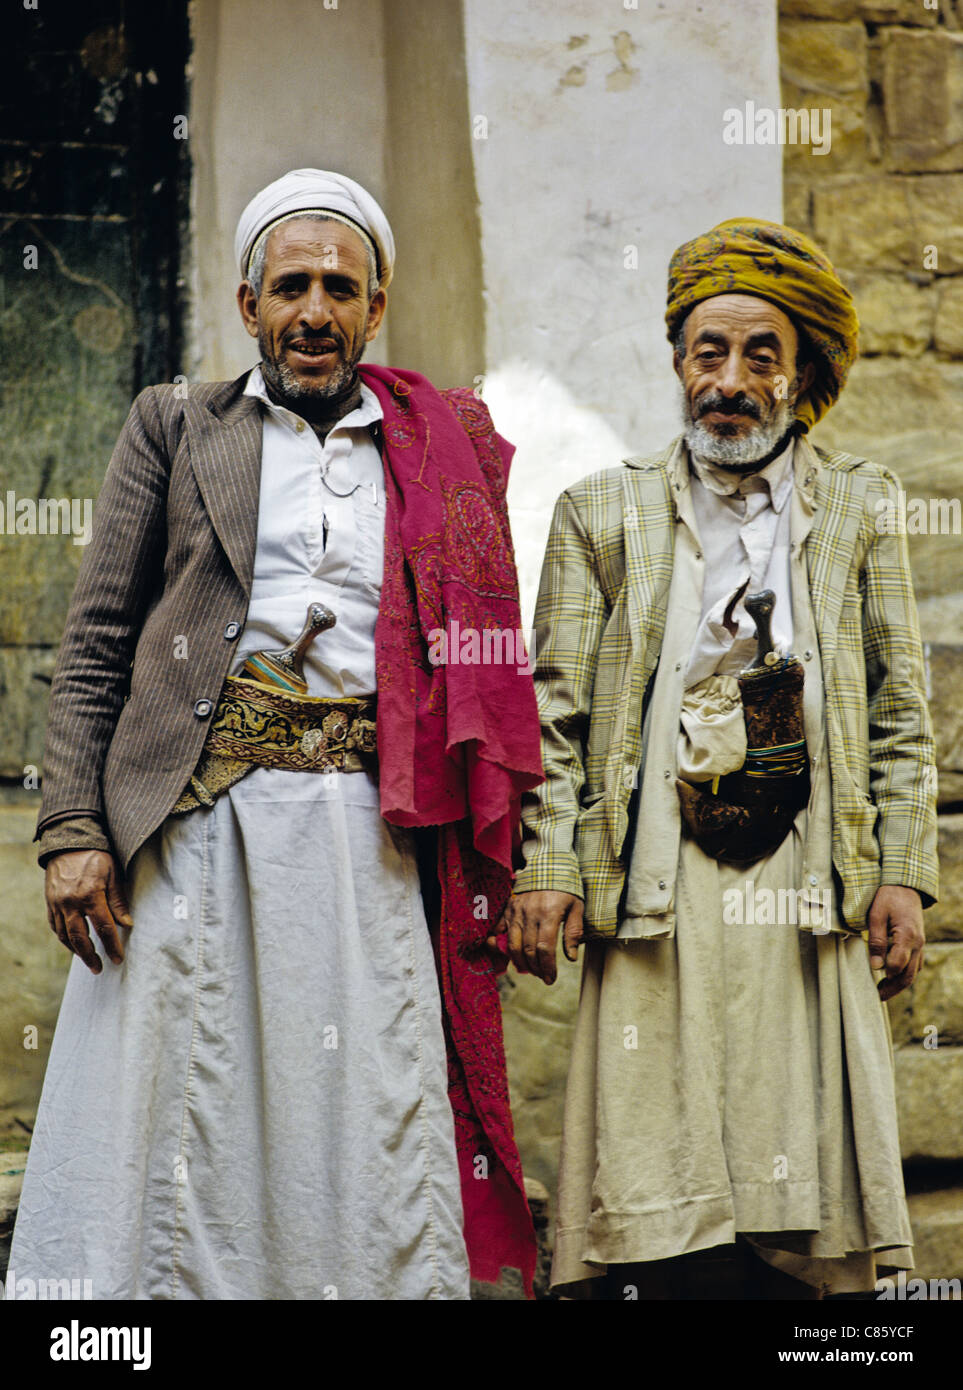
<point x="732" y="452"/>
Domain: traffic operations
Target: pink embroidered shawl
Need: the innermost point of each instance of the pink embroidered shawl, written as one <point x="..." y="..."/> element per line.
<point x="458" y="744"/>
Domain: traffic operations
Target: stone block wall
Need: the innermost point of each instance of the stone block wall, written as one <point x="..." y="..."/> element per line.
<point x="886" y="203"/>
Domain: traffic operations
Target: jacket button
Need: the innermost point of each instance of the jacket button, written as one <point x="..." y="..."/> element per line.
<point x="231" y="631"/>
<point x="203" y="708"/>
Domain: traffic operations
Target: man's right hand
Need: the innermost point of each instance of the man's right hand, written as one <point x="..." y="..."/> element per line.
<point x="81" y="884"/>
<point x="532" y="921"/>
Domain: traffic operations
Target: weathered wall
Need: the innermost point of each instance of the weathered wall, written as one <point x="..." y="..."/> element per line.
<point x="591" y="168"/>
<point x="435" y="306"/>
<point x="273" y="87"/>
<point x="887" y="205"/>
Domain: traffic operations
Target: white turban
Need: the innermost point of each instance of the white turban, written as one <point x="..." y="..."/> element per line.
<point x="315" y="190"/>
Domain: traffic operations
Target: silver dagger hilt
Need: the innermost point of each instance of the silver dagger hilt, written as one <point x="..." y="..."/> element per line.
<point x="285" y="669"/>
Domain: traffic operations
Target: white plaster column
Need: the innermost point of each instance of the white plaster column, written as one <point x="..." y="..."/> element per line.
<point x="598" y="149"/>
<point x="273" y="87"/>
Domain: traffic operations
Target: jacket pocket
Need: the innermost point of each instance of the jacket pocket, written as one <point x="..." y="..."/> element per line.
<point x="590" y="832"/>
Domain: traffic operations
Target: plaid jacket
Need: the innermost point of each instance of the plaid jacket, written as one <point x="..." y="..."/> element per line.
<point x="599" y="623"/>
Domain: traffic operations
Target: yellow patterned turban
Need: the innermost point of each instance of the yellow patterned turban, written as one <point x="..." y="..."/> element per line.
<point x="743" y="256"/>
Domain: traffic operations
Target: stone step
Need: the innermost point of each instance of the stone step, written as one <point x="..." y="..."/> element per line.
<point x="932" y="1011"/>
<point x="929" y="1095"/>
<point x="937" y="1220"/>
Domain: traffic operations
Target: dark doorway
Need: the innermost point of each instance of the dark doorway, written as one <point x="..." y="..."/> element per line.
<point x="93" y="201"/>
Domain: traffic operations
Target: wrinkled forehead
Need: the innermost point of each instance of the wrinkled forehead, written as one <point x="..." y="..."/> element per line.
<point x="315" y="236"/>
<point x="740" y="317"/>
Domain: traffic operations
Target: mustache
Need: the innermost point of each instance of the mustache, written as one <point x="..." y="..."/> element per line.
<point x="315" y="337"/>
<point x="726" y="405"/>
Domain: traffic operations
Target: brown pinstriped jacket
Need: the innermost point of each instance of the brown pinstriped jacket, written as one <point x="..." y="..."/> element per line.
<point x="159" y="604"/>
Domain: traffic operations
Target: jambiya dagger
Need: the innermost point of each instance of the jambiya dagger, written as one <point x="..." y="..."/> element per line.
<point x="285" y="669"/>
<point x="745" y="815"/>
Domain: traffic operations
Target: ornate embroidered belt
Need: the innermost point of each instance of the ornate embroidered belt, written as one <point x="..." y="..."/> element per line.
<point x="256" y="725"/>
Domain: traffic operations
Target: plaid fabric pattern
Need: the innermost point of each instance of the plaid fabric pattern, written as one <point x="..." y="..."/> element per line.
<point x="599" y="622"/>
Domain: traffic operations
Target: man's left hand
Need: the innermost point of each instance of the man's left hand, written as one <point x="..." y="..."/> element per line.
<point x="896" y="937"/>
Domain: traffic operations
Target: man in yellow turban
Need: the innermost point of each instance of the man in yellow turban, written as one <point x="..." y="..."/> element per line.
<point x="738" y="817"/>
<point x="776" y="263"/>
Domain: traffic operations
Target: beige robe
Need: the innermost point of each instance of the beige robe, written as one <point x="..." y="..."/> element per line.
<point x="728" y="1075"/>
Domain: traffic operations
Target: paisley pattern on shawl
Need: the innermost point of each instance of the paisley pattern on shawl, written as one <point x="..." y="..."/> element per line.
<point x="458" y="744"/>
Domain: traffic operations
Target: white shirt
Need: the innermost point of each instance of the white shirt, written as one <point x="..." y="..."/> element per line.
<point x="650" y="897"/>
<point x="309" y="541"/>
<point x="743" y="526"/>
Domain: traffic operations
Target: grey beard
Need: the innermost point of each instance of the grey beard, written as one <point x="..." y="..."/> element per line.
<point x="740" y="453"/>
<point x="286" y="385"/>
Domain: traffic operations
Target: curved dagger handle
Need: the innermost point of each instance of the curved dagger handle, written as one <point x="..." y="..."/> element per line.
<point x="759" y="607"/>
<point x="285" y="669"/>
<point x="318" y="619"/>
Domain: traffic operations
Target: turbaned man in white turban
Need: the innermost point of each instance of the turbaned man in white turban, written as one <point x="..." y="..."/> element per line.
<point x="279" y="815"/>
